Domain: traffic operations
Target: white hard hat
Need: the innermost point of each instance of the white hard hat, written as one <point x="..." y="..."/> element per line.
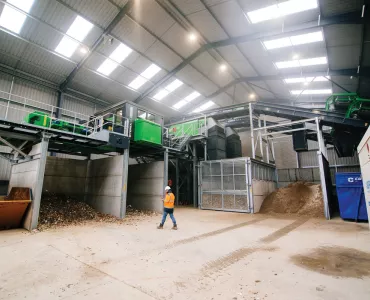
<point x="167" y="188"/>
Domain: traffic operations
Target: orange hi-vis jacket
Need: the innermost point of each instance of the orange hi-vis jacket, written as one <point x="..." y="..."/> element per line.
<point x="169" y="201"/>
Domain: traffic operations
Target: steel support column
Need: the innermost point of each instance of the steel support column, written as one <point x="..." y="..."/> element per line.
<point x="177" y="165"/>
<point x="165" y="171"/>
<point x="124" y="183"/>
<point x="251" y="128"/>
<point x="195" y="181"/>
<point x="37" y="191"/>
<point x="60" y="102"/>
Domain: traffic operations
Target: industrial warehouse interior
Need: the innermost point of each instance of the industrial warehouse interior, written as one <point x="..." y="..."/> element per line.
<point x="185" y="149"/>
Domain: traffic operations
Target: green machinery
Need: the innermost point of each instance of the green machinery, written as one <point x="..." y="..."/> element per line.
<point x="147" y="132"/>
<point x="349" y="103"/>
<point x="43" y="119"/>
<point x="344" y="138"/>
<point x="144" y="131"/>
<point x="190" y="128"/>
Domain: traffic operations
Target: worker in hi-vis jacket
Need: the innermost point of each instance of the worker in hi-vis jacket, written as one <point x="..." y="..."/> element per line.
<point x="169" y="204"/>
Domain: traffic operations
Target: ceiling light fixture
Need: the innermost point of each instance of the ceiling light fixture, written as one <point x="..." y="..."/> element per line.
<point x="295" y="56"/>
<point x="223" y="67"/>
<point x="83" y="50"/>
<point x="192" y="37"/>
<point x="252" y="96"/>
<point x="281" y="9"/>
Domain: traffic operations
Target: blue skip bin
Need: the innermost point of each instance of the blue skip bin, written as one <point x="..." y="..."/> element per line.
<point x="351" y="196"/>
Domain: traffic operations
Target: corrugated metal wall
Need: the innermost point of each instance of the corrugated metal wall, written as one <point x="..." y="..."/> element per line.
<point x="309" y="159"/>
<point x="285" y="155"/>
<point x="37" y="96"/>
<point x="4" y="164"/>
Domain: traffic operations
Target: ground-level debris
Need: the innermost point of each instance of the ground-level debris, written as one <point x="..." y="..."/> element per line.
<point x="61" y="210"/>
<point x="301" y="198"/>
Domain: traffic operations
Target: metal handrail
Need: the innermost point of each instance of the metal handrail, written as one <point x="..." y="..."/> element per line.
<point x="24" y="107"/>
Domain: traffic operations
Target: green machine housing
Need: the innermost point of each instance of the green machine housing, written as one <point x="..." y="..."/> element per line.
<point x="346" y="139"/>
<point x="146" y="131"/>
<point x="43" y="119"/>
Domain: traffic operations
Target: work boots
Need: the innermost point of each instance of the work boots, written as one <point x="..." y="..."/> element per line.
<point x="160" y="226"/>
<point x="174" y="227"/>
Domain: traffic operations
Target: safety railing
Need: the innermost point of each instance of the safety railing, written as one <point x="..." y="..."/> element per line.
<point x="15" y="108"/>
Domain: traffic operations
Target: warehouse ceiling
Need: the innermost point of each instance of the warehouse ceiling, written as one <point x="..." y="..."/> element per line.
<point x="180" y="56"/>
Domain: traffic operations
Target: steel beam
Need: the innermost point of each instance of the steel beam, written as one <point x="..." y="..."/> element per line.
<point x="97" y="43"/>
<point x="16" y="149"/>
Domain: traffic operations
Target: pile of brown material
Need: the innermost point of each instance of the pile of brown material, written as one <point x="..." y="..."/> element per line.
<point x="302" y="198"/>
<point x="60" y="210"/>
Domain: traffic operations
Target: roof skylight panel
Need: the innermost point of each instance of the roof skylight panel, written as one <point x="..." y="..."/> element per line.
<point x="180" y="104"/>
<point x="312" y="92"/>
<point x="120" y="53"/>
<point x="78" y="31"/>
<point x="204" y="107"/>
<point x="107" y="67"/>
<point x="115" y="58"/>
<point x="144" y="76"/>
<point x="161" y="94"/>
<point x="302" y="62"/>
<point x="150" y="71"/>
<point x="295" y="40"/>
<point x="13" y="19"/>
<point x="313" y="61"/>
<point x="306" y="79"/>
<point x="281" y="9"/>
<point x="174" y="85"/>
<point x="186" y="100"/>
<point x="168" y="89"/>
<point x="137" y="82"/>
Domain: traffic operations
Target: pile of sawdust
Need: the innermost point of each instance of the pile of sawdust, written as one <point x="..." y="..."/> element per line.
<point x="60" y="210"/>
<point x="301" y="198"/>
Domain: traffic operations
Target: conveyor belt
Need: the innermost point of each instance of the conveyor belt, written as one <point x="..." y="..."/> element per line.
<point x="60" y="141"/>
<point x="278" y="110"/>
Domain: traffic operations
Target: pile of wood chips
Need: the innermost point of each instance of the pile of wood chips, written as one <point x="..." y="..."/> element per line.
<point x="301" y="198"/>
<point x="60" y="210"/>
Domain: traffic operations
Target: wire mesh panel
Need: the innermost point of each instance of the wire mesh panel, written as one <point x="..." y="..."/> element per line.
<point x="224" y="185"/>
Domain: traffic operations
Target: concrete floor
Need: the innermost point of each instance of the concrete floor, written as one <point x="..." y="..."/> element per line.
<point x="213" y="255"/>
